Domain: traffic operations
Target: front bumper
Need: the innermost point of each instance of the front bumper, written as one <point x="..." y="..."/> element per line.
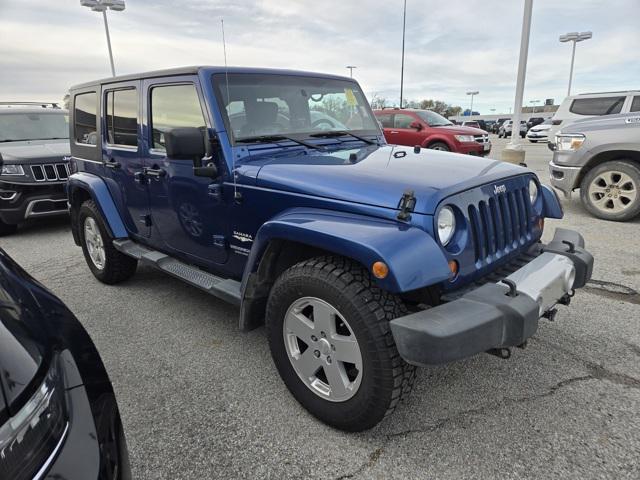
<point x="496" y="315"/>
<point x="19" y="203"/>
<point x="474" y="148"/>
<point x="564" y="178"/>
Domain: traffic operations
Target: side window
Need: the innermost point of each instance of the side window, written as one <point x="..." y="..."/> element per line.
<point x="174" y="106"/>
<point x="403" y="121"/>
<point x="122" y="117"/>
<point x="635" y="105"/>
<point x="385" y="120"/>
<point x="597" y="106"/>
<point x="84" y="128"/>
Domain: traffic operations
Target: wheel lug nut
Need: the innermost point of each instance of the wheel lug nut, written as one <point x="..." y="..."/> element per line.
<point x="328" y="359"/>
<point x="314" y="338"/>
<point x="316" y="353"/>
<point x="322" y="334"/>
<point x="333" y="347"/>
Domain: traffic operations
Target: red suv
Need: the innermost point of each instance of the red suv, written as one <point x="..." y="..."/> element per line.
<point x="431" y="130"/>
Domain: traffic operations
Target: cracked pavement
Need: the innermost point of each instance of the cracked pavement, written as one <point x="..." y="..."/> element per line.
<point x="200" y="399"/>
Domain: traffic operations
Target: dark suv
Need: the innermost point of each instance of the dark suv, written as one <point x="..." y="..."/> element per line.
<point x="34" y="141"/>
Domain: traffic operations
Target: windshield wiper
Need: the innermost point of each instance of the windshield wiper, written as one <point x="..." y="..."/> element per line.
<point x="275" y="139"/>
<point x="342" y="133"/>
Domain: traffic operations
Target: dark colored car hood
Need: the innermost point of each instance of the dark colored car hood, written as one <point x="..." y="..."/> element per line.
<point x="34" y="151"/>
<point x="378" y="176"/>
<point x="23" y="346"/>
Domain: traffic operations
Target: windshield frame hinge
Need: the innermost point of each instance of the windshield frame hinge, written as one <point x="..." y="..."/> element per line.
<point x="406" y="205"/>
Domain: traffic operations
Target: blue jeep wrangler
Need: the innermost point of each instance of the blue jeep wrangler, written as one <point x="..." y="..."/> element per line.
<point x="275" y="190"/>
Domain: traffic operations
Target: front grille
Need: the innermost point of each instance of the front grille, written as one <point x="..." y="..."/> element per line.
<point x="53" y="172"/>
<point x="481" y="138"/>
<point x="500" y="225"/>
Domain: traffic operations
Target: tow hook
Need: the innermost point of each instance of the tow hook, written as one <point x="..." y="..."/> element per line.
<point x="502" y="352"/>
<point x="550" y="314"/>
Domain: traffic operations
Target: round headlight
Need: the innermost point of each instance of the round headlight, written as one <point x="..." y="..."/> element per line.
<point x="533" y="191"/>
<point x="446" y="225"/>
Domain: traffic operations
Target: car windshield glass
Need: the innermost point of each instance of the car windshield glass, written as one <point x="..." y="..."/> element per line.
<point x="33" y="126"/>
<point x="259" y="105"/>
<point x="433" y="119"/>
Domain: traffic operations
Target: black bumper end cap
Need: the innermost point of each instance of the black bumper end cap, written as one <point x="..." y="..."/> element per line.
<point x="483" y="319"/>
<point x="571" y="244"/>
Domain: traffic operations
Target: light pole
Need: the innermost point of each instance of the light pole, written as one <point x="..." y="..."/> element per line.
<point x="574" y="37"/>
<point x="475" y="92"/>
<point x="404" y="24"/>
<point x="534" y="102"/>
<point x="351" y="67"/>
<point x="102" y="6"/>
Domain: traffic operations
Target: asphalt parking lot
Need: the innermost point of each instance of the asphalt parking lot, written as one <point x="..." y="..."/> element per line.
<point x="200" y="399"/>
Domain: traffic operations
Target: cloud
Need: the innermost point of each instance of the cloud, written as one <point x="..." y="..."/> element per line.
<point x="450" y="47"/>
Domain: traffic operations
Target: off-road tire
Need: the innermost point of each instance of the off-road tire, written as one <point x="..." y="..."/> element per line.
<point x="118" y="266"/>
<point x="441" y="146"/>
<point x="622" y="166"/>
<point x="347" y="286"/>
<point x="7" y="229"/>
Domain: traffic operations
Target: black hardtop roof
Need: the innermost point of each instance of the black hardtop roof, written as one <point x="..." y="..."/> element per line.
<point x="192" y="70"/>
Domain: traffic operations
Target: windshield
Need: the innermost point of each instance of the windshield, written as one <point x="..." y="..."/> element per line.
<point x="275" y="105"/>
<point x="433" y="119"/>
<point x="33" y="126"/>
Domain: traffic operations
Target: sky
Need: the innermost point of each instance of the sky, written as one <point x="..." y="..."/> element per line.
<point x="451" y="46"/>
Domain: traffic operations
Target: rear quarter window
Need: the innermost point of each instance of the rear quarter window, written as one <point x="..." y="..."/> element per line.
<point x="85" y="116"/>
<point x="597" y="106"/>
<point x="635" y="105"/>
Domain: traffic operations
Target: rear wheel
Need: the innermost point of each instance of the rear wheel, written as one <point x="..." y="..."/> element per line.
<point x="611" y="191"/>
<point x="328" y="330"/>
<point x="443" y="147"/>
<point x="106" y="263"/>
<point x="7" y="229"/>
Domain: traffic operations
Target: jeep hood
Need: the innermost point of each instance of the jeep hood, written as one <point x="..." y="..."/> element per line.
<point x="34" y="151"/>
<point x="376" y="176"/>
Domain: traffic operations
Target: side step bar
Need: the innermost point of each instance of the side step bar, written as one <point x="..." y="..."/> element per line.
<point x="225" y="289"/>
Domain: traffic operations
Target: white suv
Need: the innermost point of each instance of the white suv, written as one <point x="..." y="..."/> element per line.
<point x="578" y="107"/>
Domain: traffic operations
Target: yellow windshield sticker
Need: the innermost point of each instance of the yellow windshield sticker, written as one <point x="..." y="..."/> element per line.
<point x="351" y="98"/>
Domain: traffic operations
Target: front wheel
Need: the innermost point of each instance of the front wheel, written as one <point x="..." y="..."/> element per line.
<point x="328" y="330"/>
<point x="611" y="191"/>
<point x="106" y="263"/>
<point x="443" y="147"/>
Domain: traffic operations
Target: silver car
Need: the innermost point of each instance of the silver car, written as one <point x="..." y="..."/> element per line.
<point x="601" y="157"/>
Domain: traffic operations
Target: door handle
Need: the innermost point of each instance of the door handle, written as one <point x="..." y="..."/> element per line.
<point x="112" y="164"/>
<point x="155" y="172"/>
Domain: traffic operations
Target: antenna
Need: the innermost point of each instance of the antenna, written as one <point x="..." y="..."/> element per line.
<point x="226" y="76"/>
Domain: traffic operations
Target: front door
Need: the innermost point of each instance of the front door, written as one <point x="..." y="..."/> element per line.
<point x="188" y="219"/>
<point x="122" y="157"/>
<point x="402" y="133"/>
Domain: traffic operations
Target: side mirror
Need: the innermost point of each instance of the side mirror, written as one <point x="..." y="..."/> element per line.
<point x="416" y="125"/>
<point x="185" y="143"/>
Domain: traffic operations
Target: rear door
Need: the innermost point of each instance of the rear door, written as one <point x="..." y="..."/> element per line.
<point x="122" y="155"/>
<point x="188" y="218"/>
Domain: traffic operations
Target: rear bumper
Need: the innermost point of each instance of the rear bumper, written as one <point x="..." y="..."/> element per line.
<point x="493" y="316"/>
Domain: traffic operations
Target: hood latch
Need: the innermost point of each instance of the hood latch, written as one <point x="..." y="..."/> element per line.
<point x="406" y="205"/>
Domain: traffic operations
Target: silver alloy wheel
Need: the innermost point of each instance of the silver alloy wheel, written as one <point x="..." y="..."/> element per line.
<point x="322" y="349"/>
<point x="440" y="148"/>
<point x="95" y="245"/>
<point x="613" y="191"/>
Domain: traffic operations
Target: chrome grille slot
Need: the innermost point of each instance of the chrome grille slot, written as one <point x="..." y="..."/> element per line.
<point x="500" y="224"/>
<point x="50" y="173"/>
<point x="62" y="170"/>
<point x="38" y="173"/>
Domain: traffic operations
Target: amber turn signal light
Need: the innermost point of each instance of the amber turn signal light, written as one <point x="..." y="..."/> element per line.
<point x="380" y="270"/>
<point x="453" y="266"/>
<point x="541" y="223"/>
